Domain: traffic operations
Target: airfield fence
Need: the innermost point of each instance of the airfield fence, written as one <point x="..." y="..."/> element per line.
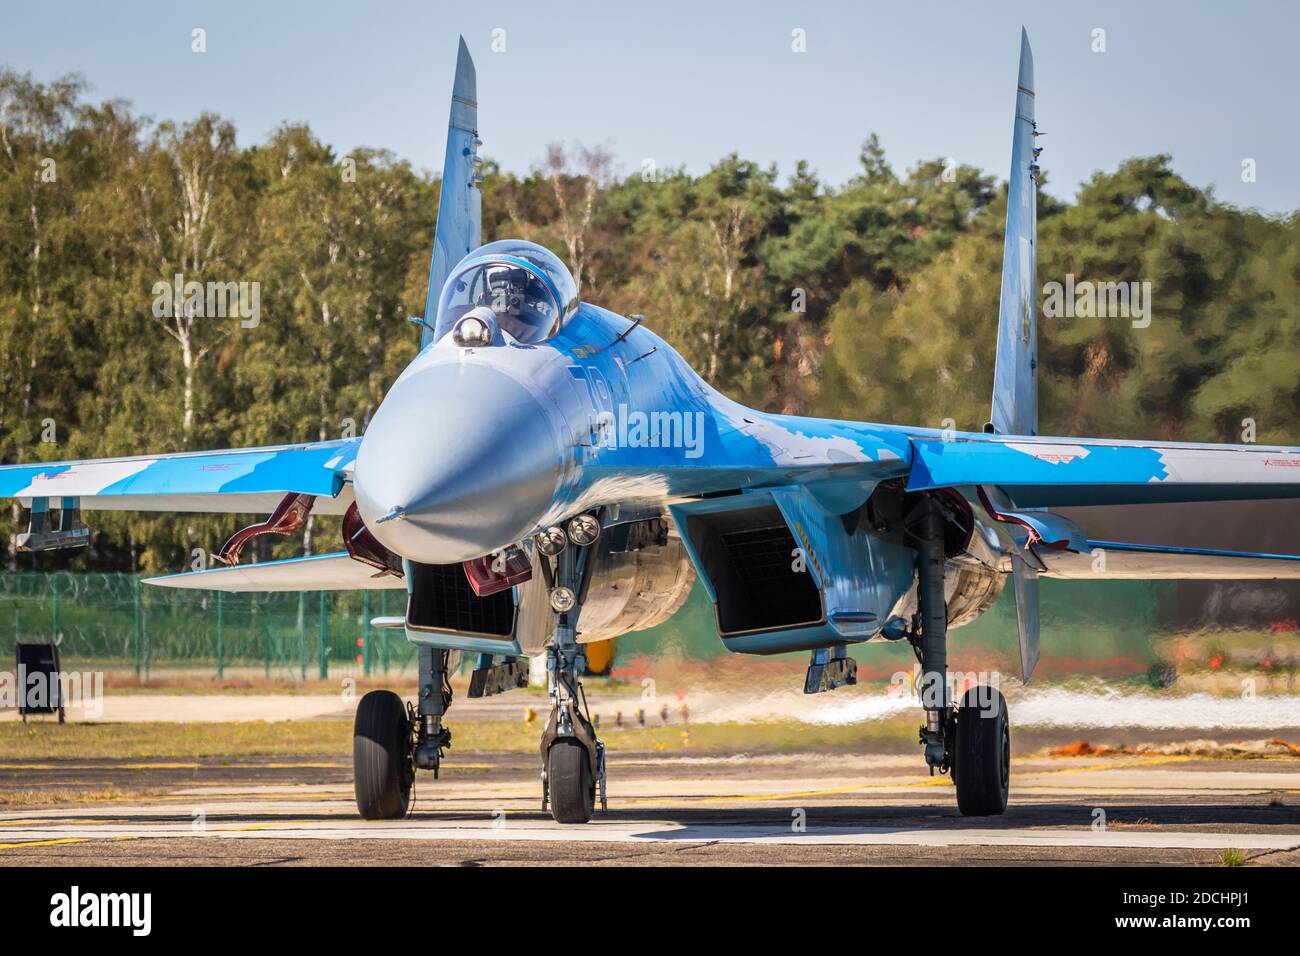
<point x="114" y="621"/>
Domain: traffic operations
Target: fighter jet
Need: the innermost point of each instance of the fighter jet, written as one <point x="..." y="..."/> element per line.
<point x="547" y="473"/>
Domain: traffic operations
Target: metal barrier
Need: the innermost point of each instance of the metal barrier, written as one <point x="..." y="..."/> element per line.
<point x="112" y="620"/>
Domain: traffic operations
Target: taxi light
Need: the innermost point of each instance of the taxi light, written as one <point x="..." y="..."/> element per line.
<point x="584" y="530"/>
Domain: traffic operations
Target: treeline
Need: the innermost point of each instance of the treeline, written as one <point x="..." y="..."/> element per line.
<point x="873" y="299"/>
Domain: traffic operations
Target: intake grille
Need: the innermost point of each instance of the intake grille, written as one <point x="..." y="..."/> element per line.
<point x="442" y="600"/>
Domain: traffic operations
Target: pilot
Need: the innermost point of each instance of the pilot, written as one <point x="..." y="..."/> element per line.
<point x="520" y="301"/>
<point x="530" y="292"/>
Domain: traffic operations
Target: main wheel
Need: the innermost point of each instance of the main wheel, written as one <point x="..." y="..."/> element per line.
<point x="570" y="781"/>
<point x="381" y="756"/>
<point x="982" y="764"/>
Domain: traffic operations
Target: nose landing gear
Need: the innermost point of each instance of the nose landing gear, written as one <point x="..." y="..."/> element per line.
<point x="573" y="757"/>
<point x="573" y="761"/>
<point x="391" y="740"/>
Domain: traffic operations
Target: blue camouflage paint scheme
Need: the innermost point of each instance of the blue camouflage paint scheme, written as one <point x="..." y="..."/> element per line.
<point x="975" y="459"/>
<point x="601" y="370"/>
<point x="319" y="468"/>
<point x="1060" y="472"/>
<point x="739" y="446"/>
<point x="14" y="478"/>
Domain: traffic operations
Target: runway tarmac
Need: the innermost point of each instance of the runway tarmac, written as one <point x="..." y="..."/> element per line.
<point x="678" y="810"/>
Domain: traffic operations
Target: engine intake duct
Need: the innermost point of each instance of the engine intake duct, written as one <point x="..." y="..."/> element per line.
<point x="762" y="583"/>
<point x="442" y="600"/>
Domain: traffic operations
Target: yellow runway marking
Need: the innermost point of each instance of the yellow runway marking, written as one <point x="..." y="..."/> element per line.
<point x="932" y="782"/>
<point x="28" y="766"/>
<point x="59" y="820"/>
<point x="1145" y="762"/>
<point x="261" y="826"/>
<point x="277" y="765"/>
<point x="61" y="841"/>
<point x="838" y="791"/>
<point x="99" y="766"/>
<point x="154" y="766"/>
<point x="14" y="846"/>
<point x="1158" y="788"/>
<point x="305" y="766"/>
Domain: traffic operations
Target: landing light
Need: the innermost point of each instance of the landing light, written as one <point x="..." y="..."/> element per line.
<point x="563" y="599"/>
<point x="584" y="530"/>
<point x="552" y="541"/>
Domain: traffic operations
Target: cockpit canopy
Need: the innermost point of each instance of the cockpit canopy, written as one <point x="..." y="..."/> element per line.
<point x="526" y="286"/>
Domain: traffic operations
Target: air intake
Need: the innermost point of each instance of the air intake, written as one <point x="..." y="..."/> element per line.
<point x="442" y="600"/>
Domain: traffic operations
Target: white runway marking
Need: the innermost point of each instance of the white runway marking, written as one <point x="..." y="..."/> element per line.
<point x="36" y="827"/>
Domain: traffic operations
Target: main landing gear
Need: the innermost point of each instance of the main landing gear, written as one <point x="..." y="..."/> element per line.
<point x="972" y="740"/>
<point x="573" y="757"/>
<point x="391" y="740"/>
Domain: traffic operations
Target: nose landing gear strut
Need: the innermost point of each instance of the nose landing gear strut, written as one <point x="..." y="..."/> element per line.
<point x="573" y="757"/>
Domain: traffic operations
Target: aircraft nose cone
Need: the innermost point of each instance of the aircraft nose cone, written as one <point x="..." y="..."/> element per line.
<point x="458" y="461"/>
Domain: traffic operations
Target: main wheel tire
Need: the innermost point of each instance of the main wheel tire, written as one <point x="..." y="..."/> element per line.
<point x="381" y="756"/>
<point x="982" y="769"/>
<point x="570" y="781"/>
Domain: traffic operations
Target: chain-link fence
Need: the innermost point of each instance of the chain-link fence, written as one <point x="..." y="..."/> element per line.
<point x="114" y="621"/>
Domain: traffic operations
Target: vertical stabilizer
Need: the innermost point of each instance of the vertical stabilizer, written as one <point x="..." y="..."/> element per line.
<point x="460" y="204"/>
<point x="1025" y="580"/>
<point x="1015" y="378"/>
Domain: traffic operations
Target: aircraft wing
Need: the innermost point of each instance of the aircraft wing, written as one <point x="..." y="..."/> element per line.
<point x="320" y="572"/>
<point x="237" y="480"/>
<point x="1118" y="561"/>
<point x="1037" y="472"/>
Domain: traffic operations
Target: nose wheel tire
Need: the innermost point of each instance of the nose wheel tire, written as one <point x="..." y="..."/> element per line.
<point x="383" y="772"/>
<point x="982" y="768"/>
<point x="570" y="781"/>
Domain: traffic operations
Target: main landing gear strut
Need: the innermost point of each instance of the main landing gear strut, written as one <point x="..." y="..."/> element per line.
<point x="972" y="740"/>
<point x="391" y="740"/>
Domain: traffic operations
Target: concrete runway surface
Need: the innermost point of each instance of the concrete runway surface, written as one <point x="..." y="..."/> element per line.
<point x="816" y="808"/>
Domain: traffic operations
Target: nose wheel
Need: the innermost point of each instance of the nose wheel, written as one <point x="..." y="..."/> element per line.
<point x="573" y="757"/>
<point x="570" y="781"/>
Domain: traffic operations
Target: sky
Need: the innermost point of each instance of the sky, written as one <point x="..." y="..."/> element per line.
<point x="685" y="83"/>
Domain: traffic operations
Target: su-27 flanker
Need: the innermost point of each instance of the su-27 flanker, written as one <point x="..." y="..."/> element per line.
<point x="487" y="488"/>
